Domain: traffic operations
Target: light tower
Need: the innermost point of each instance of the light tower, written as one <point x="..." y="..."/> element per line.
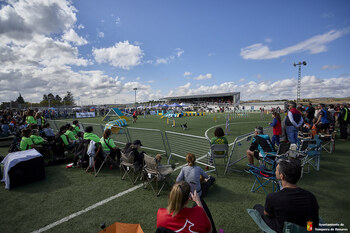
<point x="299" y="79"/>
<point x="135" y="89"/>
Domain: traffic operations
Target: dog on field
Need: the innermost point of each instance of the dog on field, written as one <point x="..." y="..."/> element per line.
<point x="184" y="126"/>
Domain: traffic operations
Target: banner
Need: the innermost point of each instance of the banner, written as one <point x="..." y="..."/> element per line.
<point x="85" y="114"/>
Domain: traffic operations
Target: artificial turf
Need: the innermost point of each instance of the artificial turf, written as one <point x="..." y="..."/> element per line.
<point x="66" y="191"/>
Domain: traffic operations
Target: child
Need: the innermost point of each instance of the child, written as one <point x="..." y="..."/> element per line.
<point x="314" y="128"/>
<point x="277" y="128"/>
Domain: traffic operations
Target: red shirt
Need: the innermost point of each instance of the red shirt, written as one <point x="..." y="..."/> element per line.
<point x="188" y="220"/>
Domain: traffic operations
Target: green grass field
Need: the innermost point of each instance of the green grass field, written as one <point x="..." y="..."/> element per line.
<point x="67" y="191"/>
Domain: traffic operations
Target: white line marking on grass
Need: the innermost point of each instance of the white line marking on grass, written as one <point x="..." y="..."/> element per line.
<point x="65" y="219"/>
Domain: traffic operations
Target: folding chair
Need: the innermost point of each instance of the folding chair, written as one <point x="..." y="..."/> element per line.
<point x="263" y="177"/>
<point x="155" y="173"/>
<point x="328" y="142"/>
<point x="288" y="227"/>
<point x="313" y="154"/>
<point x="217" y="151"/>
<point x="127" y="165"/>
<point x="107" y="159"/>
<point x="96" y="157"/>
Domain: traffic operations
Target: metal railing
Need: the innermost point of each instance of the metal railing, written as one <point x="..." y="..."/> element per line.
<point x="181" y="144"/>
<point x="151" y="139"/>
<point x="239" y="147"/>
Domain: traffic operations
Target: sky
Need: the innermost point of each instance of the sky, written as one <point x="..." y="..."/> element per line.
<point x="101" y="50"/>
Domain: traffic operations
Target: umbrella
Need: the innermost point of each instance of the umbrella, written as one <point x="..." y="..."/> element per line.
<point x="175" y="105"/>
<point x="157" y="106"/>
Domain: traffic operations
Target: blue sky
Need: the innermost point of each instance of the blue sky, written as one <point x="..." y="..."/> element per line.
<point x="101" y="50"/>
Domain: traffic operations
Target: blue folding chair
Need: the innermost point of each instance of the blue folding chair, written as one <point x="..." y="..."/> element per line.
<point x="288" y="227"/>
<point x="265" y="173"/>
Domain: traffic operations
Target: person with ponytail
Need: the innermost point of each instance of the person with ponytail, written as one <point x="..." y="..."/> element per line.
<point x="179" y="218"/>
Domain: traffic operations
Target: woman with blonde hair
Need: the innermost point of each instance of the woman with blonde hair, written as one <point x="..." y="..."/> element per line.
<point x="179" y="218"/>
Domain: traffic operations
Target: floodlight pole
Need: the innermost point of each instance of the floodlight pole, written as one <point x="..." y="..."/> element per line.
<point x="135" y="89"/>
<point x="299" y="64"/>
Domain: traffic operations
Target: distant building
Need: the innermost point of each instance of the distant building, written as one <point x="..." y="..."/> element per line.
<point x="265" y="105"/>
<point x="218" y="99"/>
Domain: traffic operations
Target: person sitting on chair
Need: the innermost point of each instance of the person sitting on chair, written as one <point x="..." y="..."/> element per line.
<point x="133" y="150"/>
<point x="291" y="204"/>
<point x="26" y="142"/>
<point x="76" y="127"/>
<point x="70" y="134"/>
<point x="219" y="139"/>
<point x="108" y="145"/>
<point x="177" y="217"/>
<point x="89" y="135"/>
<point x="63" y="138"/>
<point x="260" y="145"/>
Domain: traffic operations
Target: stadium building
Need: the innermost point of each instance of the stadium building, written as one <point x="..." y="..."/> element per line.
<point x="229" y="99"/>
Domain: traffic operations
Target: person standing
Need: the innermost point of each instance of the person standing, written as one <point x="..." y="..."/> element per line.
<point x="294" y="121"/>
<point x="277" y="128"/>
<point x="343" y="119"/>
<point x="310" y="113"/>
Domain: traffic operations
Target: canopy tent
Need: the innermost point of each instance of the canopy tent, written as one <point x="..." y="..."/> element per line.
<point x="157" y="106"/>
<point x="184" y="105"/>
<point x="175" y="105"/>
<point x="140" y="107"/>
<point x="165" y="105"/>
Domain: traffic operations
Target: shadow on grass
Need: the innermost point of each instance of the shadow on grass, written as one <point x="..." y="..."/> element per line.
<point x="55" y="179"/>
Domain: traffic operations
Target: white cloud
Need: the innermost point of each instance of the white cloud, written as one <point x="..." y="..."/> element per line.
<point x="211" y="54"/>
<point x="21" y="20"/>
<point x="138" y="79"/>
<point x="167" y="60"/>
<point x="179" y="52"/>
<point x="150" y="81"/>
<point x="117" y="21"/>
<point x="72" y="36"/>
<point x="202" y="77"/>
<point x="331" y="67"/>
<point x="100" y="34"/>
<point x="241" y="80"/>
<point x="314" y="45"/>
<point x="311" y="87"/>
<point x="80" y="26"/>
<point x="187" y="73"/>
<point x="258" y="76"/>
<point x="122" y="55"/>
<point x="161" y="61"/>
<point x="268" y="40"/>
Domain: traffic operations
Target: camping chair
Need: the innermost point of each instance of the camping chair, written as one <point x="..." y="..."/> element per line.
<point x="156" y="173"/>
<point x="288" y="227"/>
<point x="265" y="173"/>
<point x="328" y="142"/>
<point x="312" y="154"/>
<point x="127" y="165"/>
<point x="107" y="159"/>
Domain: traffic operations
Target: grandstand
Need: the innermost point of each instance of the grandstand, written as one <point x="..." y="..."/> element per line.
<point x="229" y="99"/>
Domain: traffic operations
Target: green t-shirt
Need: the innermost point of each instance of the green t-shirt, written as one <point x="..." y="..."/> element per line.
<point x="64" y="139"/>
<point x="76" y="129"/>
<point x="37" y="140"/>
<point x="70" y="135"/>
<point x="216" y="140"/>
<point x="31" y="120"/>
<point x="91" y="136"/>
<point x="110" y="143"/>
<point x="25" y="143"/>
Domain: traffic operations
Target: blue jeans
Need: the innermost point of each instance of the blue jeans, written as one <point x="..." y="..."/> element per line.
<point x="275" y="140"/>
<point x="292" y="134"/>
